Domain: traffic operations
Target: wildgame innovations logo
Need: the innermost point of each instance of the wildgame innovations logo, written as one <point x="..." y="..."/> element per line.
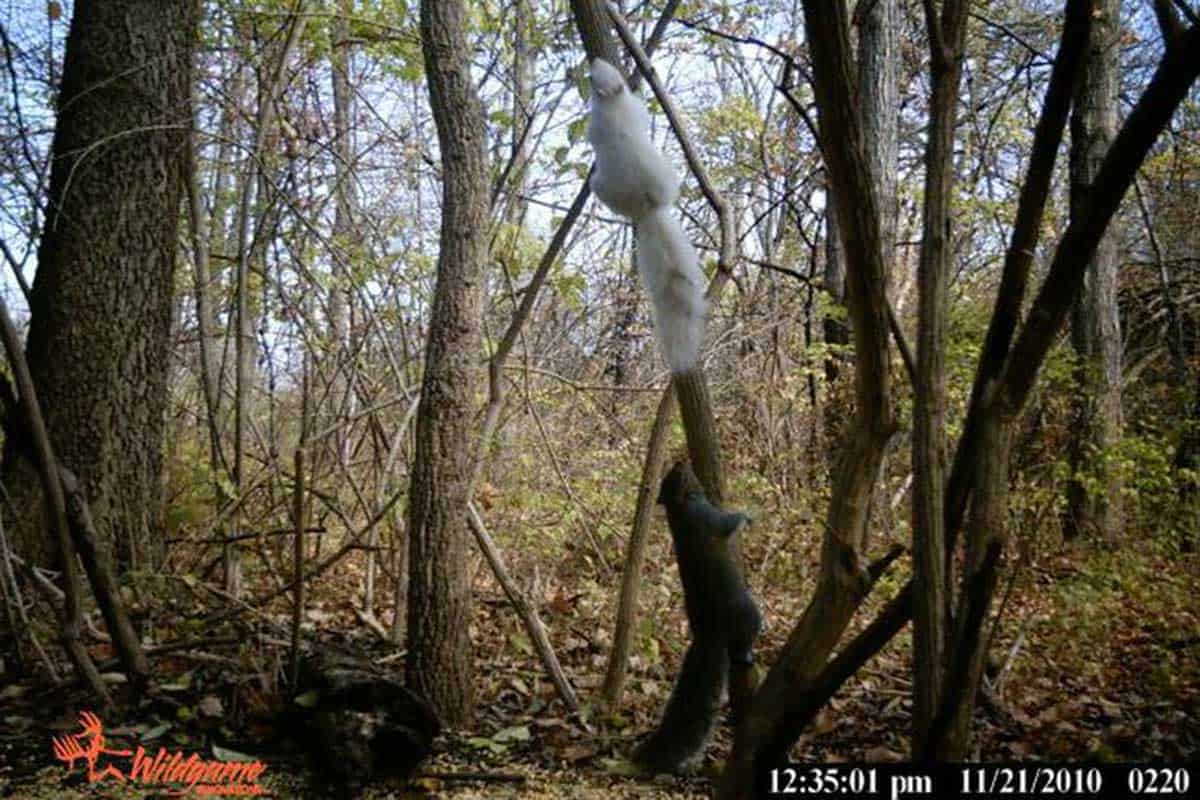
<point x="171" y="772"/>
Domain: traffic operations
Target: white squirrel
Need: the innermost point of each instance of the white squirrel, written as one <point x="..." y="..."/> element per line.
<point x="635" y="180"/>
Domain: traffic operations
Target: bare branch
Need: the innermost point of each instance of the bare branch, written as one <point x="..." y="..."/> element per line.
<point x="16" y="268"/>
<point x="715" y="199"/>
<point x="1188" y="12"/>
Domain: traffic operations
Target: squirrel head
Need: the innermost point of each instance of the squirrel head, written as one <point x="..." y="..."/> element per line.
<point x="678" y="483"/>
<point x="607" y="81"/>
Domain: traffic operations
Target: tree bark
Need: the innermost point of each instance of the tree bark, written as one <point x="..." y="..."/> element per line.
<point x="101" y="305"/>
<point x="1095" y="322"/>
<point x="440" y="663"/>
<point x="836" y="329"/>
<point x="843" y="581"/>
<point x="1187" y="475"/>
<point x="879" y="96"/>
<point x="930" y="573"/>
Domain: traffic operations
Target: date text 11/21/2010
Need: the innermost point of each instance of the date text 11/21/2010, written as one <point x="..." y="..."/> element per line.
<point x="980" y="781"/>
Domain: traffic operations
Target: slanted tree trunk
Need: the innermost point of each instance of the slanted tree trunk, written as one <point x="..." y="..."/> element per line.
<point x="1095" y="323"/>
<point x="101" y="305"/>
<point x="691" y="388"/>
<point x="439" y="665"/>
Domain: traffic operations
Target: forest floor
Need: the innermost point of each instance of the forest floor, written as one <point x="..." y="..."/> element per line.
<point x="1097" y="658"/>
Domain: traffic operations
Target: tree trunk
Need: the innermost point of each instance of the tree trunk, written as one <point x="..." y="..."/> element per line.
<point x="439" y="665"/>
<point x="523" y="65"/>
<point x="947" y="38"/>
<point x="1001" y="402"/>
<point x="341" y="397"/>
<point x="948" y="735"/>
<point x="836" y="327"/>
<point x="843" y="581"/>
<point x="1007" y="368"/>
<point x="101" y="305"/>
<point x="1187" y="475"/>
<point x="1095" y="324"/>
<point x="879" y="97"/>
<point x="253" y="189"/>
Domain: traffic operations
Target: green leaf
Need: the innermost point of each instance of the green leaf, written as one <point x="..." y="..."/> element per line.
<point x="577" y="129"/>
<point x="225" y="754"/>
<point x="156" y="731"/>
<point x="517" y="733"/>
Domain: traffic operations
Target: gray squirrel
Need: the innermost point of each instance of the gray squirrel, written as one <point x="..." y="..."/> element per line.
<point x="722" y="615"/>
<point x="635" y="180"/>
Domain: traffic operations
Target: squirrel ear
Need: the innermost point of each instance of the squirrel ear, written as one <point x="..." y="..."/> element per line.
<point x="606" y="79"/>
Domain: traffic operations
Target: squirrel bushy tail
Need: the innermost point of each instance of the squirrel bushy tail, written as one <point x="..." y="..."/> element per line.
<point x="691" y="711"/>
<point x="670" y="271"/>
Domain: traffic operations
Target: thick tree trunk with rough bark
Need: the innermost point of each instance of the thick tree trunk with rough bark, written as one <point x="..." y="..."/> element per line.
<point x="1095" y="324"/>
<point x="439" y="665"/>
<point x="99" y="336"/>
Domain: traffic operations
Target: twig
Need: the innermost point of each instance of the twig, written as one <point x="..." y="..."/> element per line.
<point x="525" y="610"/>
<point x="297" y="565"/>
<point x="1016" y="37"/>
<point x="910" y="364"/>
<point x="16" y="268"/>
<point x="52" y="486"/>
<point x="1188" y="12"/>
<point x="371" y="621"/>
<point x="715" y="199"/>
<point x="1010" y="659"/>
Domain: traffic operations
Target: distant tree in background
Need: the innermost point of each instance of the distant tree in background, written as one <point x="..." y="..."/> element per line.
<point x="1095" y="321"/>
